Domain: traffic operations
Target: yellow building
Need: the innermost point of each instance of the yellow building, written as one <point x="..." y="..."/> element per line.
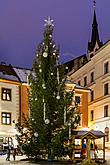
<point x="14" y="101"/>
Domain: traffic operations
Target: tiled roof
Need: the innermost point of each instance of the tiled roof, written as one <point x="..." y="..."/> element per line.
<point x="22" y="73"/>
<point x="7" y="73"/>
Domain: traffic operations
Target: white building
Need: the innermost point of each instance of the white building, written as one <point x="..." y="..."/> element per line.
<point x="95" y="74"/>
<point x="9" y="103"/>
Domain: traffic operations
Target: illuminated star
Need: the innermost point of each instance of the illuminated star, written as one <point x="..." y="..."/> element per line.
<point x="49" y="22"/>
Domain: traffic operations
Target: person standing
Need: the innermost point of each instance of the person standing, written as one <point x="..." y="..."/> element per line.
<point x="14" y="153"/>
<point x="8" y="154"/>
<point x="83" y="152"/>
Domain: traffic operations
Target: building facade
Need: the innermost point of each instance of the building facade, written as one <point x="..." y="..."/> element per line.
<point x="13" y="103"/>
<point x="95" y="74"/>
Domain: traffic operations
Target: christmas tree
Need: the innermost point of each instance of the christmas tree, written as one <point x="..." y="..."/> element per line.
<point x="52" y="115"/>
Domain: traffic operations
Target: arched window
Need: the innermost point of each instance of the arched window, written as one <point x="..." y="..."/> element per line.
<point x="106" y="134"/>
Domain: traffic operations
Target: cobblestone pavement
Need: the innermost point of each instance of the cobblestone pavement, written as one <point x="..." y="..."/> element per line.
<point x="19" y="161"/>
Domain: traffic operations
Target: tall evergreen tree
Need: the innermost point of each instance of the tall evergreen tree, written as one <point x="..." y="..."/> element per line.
<point x="51" y="115"/>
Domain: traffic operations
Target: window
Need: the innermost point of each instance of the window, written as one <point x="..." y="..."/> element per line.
<point x="85" y="81"/>
<point x="106" y="89"/>
<point x="80" y="122"/>
<point x="79" y="82"/>
<point x="106" y="111"/>
<point x="92" y="77"/>
<point x="91" y="55"/>
<point x="6" y="94"/>
<point x="92" y="115"/>
<point x="106" y="67"/>
<point x="92" y="96"/>
<point x="6" y="118"/>
<point x="77" y="100"/>
<point x="106" y="134"/>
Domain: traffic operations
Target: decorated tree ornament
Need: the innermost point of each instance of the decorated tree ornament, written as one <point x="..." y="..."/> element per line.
<point x="69" y="124"/>
<point x="54" y="46"/>
<point x="73" y="119"/>
<point x="47" y="121"/>
<point x="45" y="54"/>
<point x="54" y="53"/>
<point x="51" y="73"/>
<point x="44" y="110"/>
<point x="43" y="86"/>
<point x="36" y="134"/>
<point x="43" y="100"/>
<point x="58" y="97"/>
<point x="66" y="67"/>
<point x="36" y="99"/>
<point x="40" y="70"/>
<point x="64" y="115"/>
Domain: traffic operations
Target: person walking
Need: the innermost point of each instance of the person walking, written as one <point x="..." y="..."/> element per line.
<point x="14" y="154"/>
<point x="8" y="154"/>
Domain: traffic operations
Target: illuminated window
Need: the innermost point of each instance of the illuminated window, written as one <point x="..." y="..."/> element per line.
<point x="6" y="118"/>
<point x="92" y="77"/>
<point x="92" y="115"/>
<point x="85" y="81"/>
<point x="6" y="94"/>
<point x="106" y="67"/>
<point x="106" y="111"/>
<point x="106" y="89"/>
<point x="106" y="134"/>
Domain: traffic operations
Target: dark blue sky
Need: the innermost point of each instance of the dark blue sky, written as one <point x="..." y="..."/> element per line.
<point x="22" y="25"/>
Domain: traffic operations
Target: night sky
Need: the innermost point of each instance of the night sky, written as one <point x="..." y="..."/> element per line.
<point x="22" y="26"/>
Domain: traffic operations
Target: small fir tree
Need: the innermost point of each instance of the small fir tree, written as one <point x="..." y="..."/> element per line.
<point x="51" y="115"/>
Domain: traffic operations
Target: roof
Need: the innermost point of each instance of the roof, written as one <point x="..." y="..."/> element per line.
<point x="76" y="85"/>
<point x="22" y="73"/>
<point x="7" y="72"/>
<point x="76" y="63"/>
<point x="92" y="133"/>
<point x="95" y="35"/>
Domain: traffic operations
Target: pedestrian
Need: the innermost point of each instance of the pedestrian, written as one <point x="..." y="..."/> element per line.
<point x="14" y="154"/>
<point x="96" y="152"/>
<point x="8" y="154"/>
<point x="83" y="151"/>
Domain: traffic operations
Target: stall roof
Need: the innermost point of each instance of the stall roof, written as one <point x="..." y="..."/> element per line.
<point x="83" y="133"/>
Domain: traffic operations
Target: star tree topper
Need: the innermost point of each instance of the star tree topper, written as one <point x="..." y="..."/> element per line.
<point x="49" y="22"/>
